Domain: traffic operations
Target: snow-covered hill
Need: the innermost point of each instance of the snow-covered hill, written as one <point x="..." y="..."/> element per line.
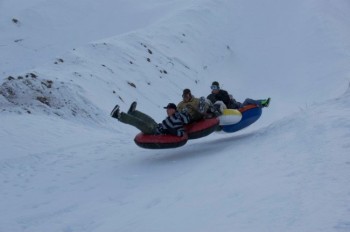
<point x="65" y="165"/>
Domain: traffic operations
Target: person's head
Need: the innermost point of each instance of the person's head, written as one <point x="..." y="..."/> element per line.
<point x="215" y="87"/>
<point x="170" y="109"/>
<point x="186" y="95"/>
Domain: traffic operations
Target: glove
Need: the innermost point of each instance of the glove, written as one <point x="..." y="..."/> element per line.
<point x="160" y="129"/>
<point x="180" y="132"/>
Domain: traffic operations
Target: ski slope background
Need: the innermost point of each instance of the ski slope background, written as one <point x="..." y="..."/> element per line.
<point x="65" y="165"/>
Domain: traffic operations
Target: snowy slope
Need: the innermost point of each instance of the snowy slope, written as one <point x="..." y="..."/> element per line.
<point x="45" y="29"/>
<point x="65" y="165"/>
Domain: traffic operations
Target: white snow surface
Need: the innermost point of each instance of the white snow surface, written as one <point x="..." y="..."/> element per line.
<point x="67" y="166"/>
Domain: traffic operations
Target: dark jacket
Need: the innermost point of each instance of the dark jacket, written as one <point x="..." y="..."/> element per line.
<point x="223" y="96"/>
<point x="174" y="124"/>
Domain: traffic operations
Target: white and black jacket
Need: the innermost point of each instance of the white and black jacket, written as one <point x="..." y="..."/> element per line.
<point x="174" y="124"/>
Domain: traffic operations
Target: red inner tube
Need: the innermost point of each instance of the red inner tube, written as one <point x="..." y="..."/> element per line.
<point x="194" y="131"/>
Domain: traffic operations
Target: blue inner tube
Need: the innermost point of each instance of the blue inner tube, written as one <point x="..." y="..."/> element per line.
<point x="249" y="116"/>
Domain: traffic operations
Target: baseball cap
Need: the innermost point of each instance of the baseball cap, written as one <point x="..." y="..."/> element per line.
<point x="170" y="106"/>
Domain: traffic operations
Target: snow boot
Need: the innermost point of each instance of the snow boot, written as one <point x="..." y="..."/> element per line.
<point x="132" y="107"/>
<point x="265" y="103"/>
<point x="115" y="112"/>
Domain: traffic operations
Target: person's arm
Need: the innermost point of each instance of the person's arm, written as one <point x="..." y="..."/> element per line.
<point x="211" y="97"/>
<point x="185" y="117"/>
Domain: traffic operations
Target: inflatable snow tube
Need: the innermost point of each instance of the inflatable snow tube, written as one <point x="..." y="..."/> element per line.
<point x="194" y="131"/>
<point x="250" y="114"/>
<point x="230" y="116"/>
<point x="202" y="128"/>
<point x="160" y="141"/>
